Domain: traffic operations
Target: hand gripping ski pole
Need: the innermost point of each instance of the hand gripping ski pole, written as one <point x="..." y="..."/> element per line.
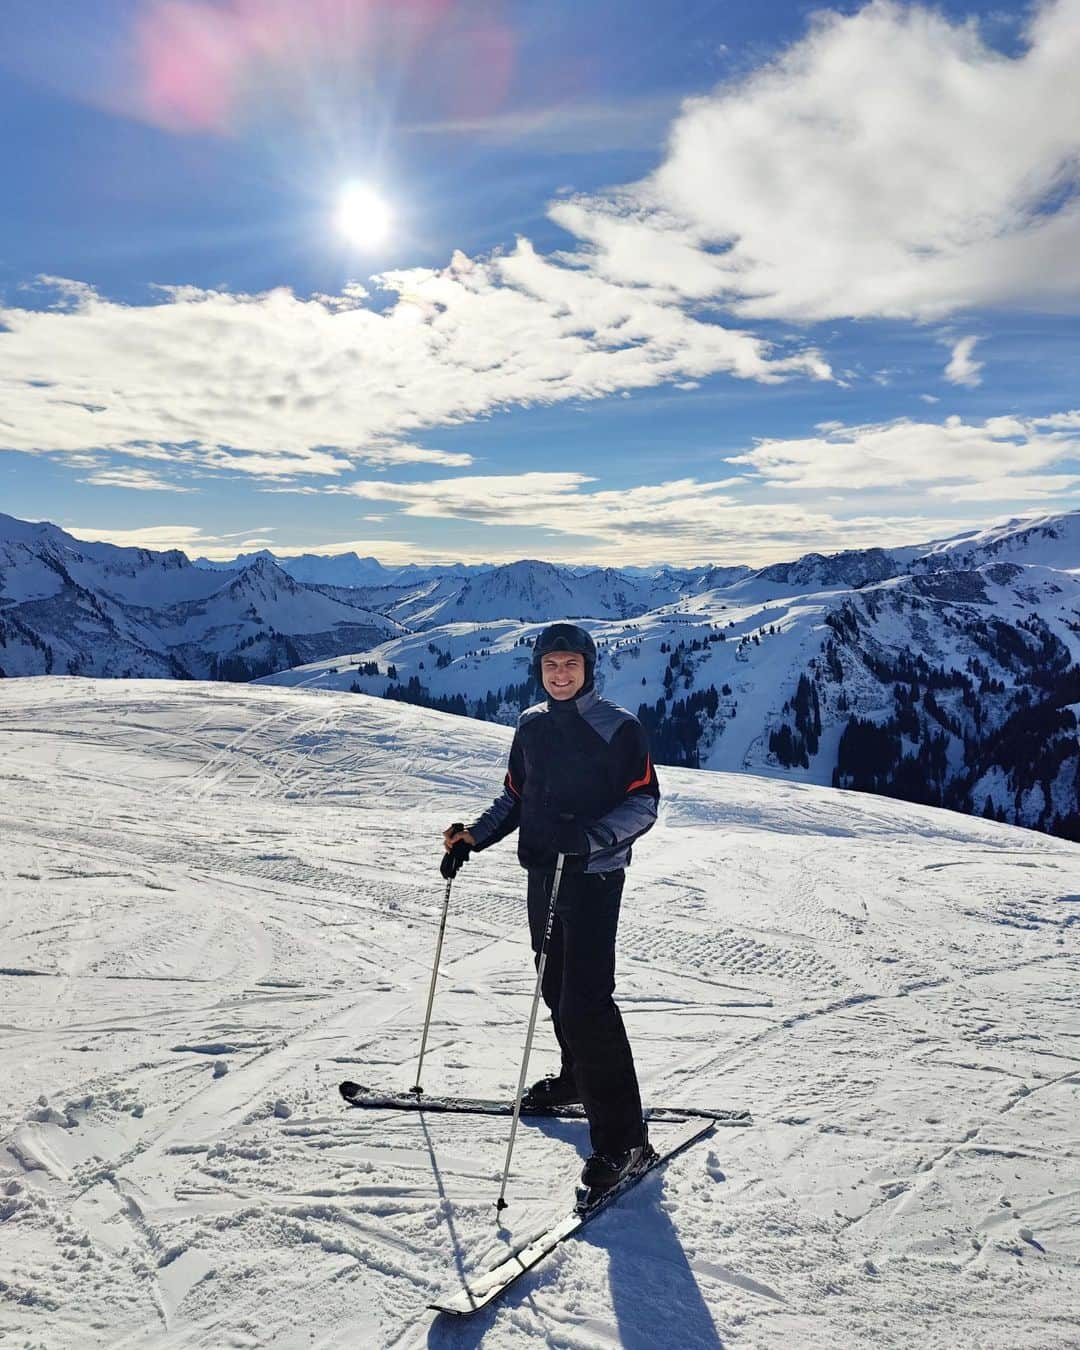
<point x="501" y="1203"/>
<point x="416" y="1089"/>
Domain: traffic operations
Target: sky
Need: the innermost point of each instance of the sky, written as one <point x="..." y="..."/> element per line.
<point x="620" y="282"/>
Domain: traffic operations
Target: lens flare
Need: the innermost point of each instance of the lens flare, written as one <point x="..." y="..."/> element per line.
<point x="363" y="216"/>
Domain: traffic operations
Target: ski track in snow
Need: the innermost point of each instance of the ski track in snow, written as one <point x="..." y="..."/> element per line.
<point x="218" y="901"/>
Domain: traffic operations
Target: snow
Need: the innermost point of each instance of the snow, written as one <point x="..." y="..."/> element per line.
<point x="345" y="570"/>
<point x="220" y="900"/>
<point x="774" y="634"/>
<point x="102" y="610"/>
<point x="1052" y="541"/>
<point x="849" y="623"/>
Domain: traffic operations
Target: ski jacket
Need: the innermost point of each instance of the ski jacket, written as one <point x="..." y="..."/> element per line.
<point x="584" y="757"/>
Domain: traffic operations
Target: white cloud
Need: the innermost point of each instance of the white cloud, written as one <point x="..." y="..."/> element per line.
<point x="276" y="386"/>
<point x="286" y="464"/>
<point x="906" y="453"/>
<point x="1018" y="488"/>
<point x="138" y="480"/>
<point x="962" y="369"/>
<point x="1064" y="421"/>
<point x="401" y="452"/>
<point x="189" y="539"/>
<point x="193" y="541"/>
<point x="294" y="489"/>
<point x="498" y="499"/>
<point x="680" y="521"/>
<point x="691" y="520"/>
<point x="889" y="164"/>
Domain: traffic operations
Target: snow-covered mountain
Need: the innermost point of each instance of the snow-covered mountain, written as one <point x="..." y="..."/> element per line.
<point x="70" y="607"/>
<point x="944" y="672"/>
<point x="530" y="590"/>
<point x="1049" y="541"/>
<point x="237" y="907"/>
<point x="955" y="685"/>
<point x="345" y="569"/>
<point x="814" y="572"/>
<point x="425" y="597"/>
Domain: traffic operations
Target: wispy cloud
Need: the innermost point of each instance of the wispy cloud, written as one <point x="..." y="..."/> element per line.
<point x="137" y="480"/>
<point x="572" y="127"/>
<point x="392" y="552"/>
<point x="685" y="520"/>
<point x="277" y="386"/>
<point x="1030" y="487"/>
<point x="189" y="539"/>
<point x="198" y="543"/>
<point x="962" y="369"/>
<point x="790" y="194"/>
<point x="904" y="453"/>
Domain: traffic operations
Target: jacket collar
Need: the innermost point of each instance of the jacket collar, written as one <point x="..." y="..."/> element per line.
<point x="563" y="707"/>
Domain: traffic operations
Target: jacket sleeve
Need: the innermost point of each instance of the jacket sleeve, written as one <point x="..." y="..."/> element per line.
<point x="636" y="813"/>
<point x="504" y="814"/>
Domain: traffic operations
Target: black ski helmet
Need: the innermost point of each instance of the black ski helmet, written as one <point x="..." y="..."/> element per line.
<point x="565" y="637"/>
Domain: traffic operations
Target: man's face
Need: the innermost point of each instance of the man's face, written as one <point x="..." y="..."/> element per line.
<point x="563" y="673"/>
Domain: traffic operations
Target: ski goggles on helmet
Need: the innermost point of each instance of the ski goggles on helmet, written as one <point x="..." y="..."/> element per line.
<point x="565" y="637"/>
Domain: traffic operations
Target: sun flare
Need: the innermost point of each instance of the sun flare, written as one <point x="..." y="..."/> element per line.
<point x="363" y="216"/>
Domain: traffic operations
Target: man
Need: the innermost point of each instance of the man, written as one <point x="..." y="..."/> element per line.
<point x="580" y="782"/>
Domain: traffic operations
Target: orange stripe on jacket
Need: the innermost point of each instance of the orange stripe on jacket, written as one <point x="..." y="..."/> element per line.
<point x="642" y="782"/>
<point x="510" y="785"/>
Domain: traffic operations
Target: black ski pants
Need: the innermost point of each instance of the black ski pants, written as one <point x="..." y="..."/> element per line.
<point x="579" y="981"/>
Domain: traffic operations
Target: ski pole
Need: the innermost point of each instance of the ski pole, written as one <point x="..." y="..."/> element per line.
<point x="416" y="1089"/>
<point x="501" y="1203"/>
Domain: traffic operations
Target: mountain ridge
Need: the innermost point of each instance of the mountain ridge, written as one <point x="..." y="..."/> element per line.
<point x="75" y="607"/>
<point x="944" y="673"/>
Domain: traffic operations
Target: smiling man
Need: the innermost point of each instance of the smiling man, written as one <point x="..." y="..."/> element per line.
<point x="581" y="783"/>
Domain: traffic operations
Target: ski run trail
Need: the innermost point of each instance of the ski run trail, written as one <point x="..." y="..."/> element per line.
<point x="220" y="900"/>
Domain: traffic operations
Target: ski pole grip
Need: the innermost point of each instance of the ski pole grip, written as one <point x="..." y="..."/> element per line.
<point x="455" y="855"/>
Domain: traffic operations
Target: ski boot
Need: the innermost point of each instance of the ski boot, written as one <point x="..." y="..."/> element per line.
<point x="548" y="1093"/>
<point x="602" y="1171"/>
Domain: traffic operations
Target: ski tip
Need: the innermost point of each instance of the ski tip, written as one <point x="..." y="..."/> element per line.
<point x="448" y="1310"/>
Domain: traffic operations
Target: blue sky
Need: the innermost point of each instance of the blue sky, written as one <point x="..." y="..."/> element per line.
<point x="690" y="283"/>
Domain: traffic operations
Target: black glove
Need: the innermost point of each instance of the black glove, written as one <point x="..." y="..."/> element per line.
<point x="568" y="836"/>
<point x="453" y="857"/>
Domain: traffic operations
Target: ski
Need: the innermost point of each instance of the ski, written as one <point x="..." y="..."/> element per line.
<point x="487" y="1286"/>
<point x="357" y="1095"/>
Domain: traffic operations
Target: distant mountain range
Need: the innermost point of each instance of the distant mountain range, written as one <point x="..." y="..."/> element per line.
<point x="73" y="608"/>
<point x="349" y="569"/>
<point x="424" y="597"/>
<point x="943" y="672"/>
<point x="342" y="569"/>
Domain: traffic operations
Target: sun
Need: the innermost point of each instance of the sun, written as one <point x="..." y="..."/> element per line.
<point x="363" y="216"/>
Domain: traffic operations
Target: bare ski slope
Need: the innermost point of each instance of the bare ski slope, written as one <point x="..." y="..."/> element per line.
<point x="219" y="900"/>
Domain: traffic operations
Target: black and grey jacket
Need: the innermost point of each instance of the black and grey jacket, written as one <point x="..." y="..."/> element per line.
<point x="583" y="757"/>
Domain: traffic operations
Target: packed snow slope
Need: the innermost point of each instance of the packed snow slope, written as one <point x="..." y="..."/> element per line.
<point x="219" y="900"/>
